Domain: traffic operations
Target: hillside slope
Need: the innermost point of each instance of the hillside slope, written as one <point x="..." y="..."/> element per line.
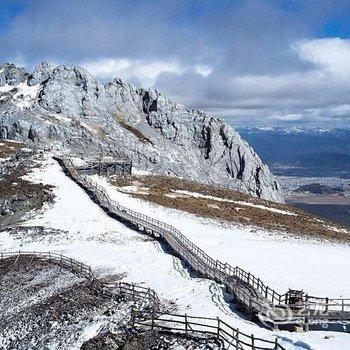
<point x="64" y="108"/>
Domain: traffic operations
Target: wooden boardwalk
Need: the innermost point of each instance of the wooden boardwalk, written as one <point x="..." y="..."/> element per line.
<point x="149" y="317"/>
<point x="114" y="166"/>
<point x="257" y="298"/>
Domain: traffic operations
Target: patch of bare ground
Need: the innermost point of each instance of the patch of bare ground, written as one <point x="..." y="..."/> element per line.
<point x="20" y="196"/>
<point x="121" y="120"/>
<point x="9" y="148"/>
<point x="228" y="205"/>
<point x="151" y="340"/>
<point x="136" y="132"/>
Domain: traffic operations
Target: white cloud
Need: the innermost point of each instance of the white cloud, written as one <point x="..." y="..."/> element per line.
<point x="203" y="70"/>
<point x="287" y="117"/>
<point x="330" y="55"/>
<point x="144" y="71"/>
<point x="319" y="91"/>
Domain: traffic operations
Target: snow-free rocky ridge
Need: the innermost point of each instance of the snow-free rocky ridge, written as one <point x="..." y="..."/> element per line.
<point x="65" y="108"/>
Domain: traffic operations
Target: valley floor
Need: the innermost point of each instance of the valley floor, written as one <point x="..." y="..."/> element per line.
<point x="83" y="231"/>
<point x="337" y="212"/>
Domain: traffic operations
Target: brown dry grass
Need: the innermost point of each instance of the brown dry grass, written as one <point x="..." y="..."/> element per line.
<point x="143" y="138"/>
<point x="13" y="185"/>
<point x="21" y="195"/>
<point x="302" y="223"/>
<point x="7" y="148"/>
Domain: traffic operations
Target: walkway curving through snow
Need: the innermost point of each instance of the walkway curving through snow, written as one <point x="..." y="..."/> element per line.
<point x="87" y="234"/>
<point x="250" y="292"/>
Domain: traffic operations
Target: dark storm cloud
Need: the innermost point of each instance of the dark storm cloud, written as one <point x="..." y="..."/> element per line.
<point x="250" y="60"/>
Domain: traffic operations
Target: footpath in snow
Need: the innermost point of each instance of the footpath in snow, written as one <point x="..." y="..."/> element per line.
<point x="113" y="249"/>
<point x="318" y="267"/>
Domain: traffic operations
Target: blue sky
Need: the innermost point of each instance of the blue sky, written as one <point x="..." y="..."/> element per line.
<point x="254" y="62"/>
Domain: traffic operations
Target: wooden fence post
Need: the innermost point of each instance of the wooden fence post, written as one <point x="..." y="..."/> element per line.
<point x="133" y="315"/>
<point x="186" y="325"/>
<point x="152" y="324"/>
<point x="306" y="318"/>
<point x="218" y="332"/>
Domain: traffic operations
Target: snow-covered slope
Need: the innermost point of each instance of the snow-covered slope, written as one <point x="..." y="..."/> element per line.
<point x="280" y="260"/>
<point x="83" y="231"/>
<point x="65" y="108"/>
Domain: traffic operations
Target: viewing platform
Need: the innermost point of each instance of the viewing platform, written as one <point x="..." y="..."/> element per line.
<point x="106" y="165"/>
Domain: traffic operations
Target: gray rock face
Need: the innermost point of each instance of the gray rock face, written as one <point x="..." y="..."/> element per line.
<point x="64" y="108"/>
<point x="11" y="75"/>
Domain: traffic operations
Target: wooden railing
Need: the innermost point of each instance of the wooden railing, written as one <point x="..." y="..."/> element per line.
<point x="153" y="319"/>
<point x="70" y="264"/>
<point x="252" y="293"/>
<point x="215" y="328"/>
<point x="128" y="290"/>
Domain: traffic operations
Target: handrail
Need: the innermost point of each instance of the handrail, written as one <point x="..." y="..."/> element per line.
<point x="85" y="271"/>
<point x="221" y="268"/>
<point x="231" y="337"/>
<point x="256" y="296"/>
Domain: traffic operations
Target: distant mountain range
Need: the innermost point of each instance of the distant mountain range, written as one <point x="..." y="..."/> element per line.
<point x="301" y="151"/>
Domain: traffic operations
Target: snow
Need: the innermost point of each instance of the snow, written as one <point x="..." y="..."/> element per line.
<point x="170" y="195"/>
<point x="140" y="172"/>
<point x="112" y="248"/>
<point x="283" y="262"/>
<point x="135" y="189"/>
<point x="248" y="204"/>
<point x="61" y="118"/>
<point x="25" y="95"/>
<point x="274" y="210"/>
<point x="13" y="141"/>
<point x="3" y="160"/>
<point x="78" y="161"/>
<point x="26" y="150"/>
<point x="336" y="229"/>
<point x="87" y="127"/>
<point x="90" y="331"/>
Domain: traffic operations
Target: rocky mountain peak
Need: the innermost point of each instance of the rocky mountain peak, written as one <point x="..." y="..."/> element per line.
<point x="65" y="108"/>
<point x="11" y="75"/>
